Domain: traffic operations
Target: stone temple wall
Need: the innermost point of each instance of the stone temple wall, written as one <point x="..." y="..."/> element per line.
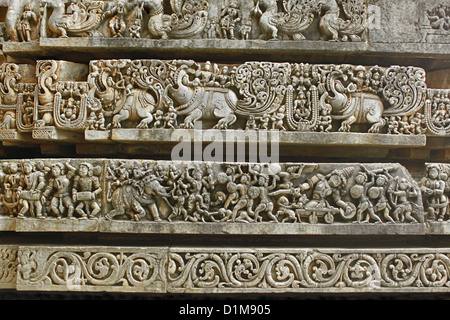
<point x="225" y="147"/>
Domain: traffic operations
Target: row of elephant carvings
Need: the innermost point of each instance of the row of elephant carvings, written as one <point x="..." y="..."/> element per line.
<point x="210" y="192"/>
<point x="173" y="94"/>
<point x="336" y="20"/>
<point x="221" y="270"/>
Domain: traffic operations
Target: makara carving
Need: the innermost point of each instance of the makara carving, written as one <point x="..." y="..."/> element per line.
<point x="182" y="94"/>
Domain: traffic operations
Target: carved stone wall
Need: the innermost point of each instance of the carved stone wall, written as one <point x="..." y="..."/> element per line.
<point x="225" y="147"/>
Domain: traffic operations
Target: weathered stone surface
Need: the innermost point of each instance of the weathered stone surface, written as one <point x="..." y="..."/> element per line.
<point x="148" y="96"/>
<point x="8" y="266"/>
<point x="328" y="26"/>
<point x="92" y="269"/>
<point x="340" y="90"/>
<point x="305" y="270"/>
<point x="144" y="196"/>
<point x="229" y="270"/>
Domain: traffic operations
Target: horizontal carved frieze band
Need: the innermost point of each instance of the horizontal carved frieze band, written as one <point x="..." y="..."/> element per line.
<point x="64" y="99"/>
<point x="228" y="270"/>
<point x="344" y="20"/>
<point x="211" y="192"/>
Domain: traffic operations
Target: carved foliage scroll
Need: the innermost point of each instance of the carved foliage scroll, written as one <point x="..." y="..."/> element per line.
<point x="231" y="270"/>
<point x="118" y="270"/>
<point x="259" y="271"/>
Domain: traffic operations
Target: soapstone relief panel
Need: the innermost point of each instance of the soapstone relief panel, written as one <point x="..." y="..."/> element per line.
<point x="231" y="270"/>
<point x="210" y="192"/>
<point x="85" y="268"/>
<point x="435" y="23"/>
<point x="333" y="20"/>
<point x="184" y="94"/>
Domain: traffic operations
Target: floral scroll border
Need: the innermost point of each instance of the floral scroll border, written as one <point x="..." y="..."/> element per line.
<point x="232" y="270"/>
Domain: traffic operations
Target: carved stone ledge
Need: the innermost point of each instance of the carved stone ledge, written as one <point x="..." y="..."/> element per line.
<point x="131" y="196"/>
<point x="307" y="26"/>
<point x="321" y="104"/>
<point x="264" y="228"/>
<point x="188" y="47"/>
<point x="239" y="136"/>
<point x="230" y="270"/>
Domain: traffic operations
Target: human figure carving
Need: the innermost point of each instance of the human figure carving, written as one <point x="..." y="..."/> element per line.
<point x="33" y="183"/>
<point x="433" y="188"/>
<point x="59" y="188"/>
<point x="85" y="191"/>
<point x="25" y="24"/>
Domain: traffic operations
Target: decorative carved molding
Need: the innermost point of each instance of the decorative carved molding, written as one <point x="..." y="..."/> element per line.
<point x="184" y="94"/>
<point x="260" y="270"/>
<point x="92" y="269"/>
<point x="209" y="192"/>
<point x="437" y="111"/>
<point x="8" y="266"/>
<point x="232" y="270"/>
<point x="344" y="20"/>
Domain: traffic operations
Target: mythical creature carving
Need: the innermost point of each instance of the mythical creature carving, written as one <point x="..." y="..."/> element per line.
<point x="198" y="102"/>
<point x="181" y="19"/>
<point x="188" y="19"/>
<point x="148" y="93"/>
<point x="9" y="80"/>
<point x="334" y="28"/>
<point x="80" y="18"/>
<point x="296" y="18"/>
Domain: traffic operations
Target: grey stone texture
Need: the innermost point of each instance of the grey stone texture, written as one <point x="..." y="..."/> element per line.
<point x="230" y="270"/>
<point x="135" y="140"/>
